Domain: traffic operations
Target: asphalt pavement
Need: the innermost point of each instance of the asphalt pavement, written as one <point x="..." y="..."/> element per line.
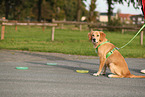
<point x="62" y="80"/>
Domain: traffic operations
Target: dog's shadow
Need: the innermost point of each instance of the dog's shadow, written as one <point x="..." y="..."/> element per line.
<point x="91" y="71"/>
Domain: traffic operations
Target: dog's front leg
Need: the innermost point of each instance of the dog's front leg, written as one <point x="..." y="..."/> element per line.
<point x="104" y="70"/>
<point x="102" y="62"/>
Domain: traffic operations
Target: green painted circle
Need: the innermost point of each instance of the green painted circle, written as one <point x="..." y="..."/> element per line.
<point x="22" y="68"/>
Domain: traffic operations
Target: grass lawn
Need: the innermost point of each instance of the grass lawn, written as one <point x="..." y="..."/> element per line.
<point x="66" y="41"/>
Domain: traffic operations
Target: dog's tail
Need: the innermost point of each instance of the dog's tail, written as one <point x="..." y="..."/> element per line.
<point x="136" y="76"/>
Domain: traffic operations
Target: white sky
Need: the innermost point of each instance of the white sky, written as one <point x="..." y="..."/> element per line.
<point x="102" y="7"/>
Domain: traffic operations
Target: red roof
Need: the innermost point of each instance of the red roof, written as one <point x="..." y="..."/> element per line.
<point x="125" y="15"/>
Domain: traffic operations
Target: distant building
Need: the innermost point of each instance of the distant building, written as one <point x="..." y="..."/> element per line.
<point x="137" y="19"/>
<point x="103" y="17"/>
<point x="83" y="18"/>
<point x="131" y="19"/>
<point x="125" y="18"/>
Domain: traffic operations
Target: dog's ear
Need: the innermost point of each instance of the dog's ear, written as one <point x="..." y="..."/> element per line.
<point x="102" y="36"/>
<point x="90" y="36"/>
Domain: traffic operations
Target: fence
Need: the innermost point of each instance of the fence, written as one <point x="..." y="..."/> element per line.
<point x="95" y="25"/>
<point x="98" y="26"/>
<point x="123" y="28"/>
<point x="90" y="25"/>
<point x="73" y="23"/>
<point x="28" y="24"/>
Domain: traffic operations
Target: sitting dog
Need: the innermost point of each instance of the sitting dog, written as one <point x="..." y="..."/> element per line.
<point x="110" y="57"/>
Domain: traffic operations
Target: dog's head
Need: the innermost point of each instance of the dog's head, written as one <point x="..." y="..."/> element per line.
<point x="96" y="36"/>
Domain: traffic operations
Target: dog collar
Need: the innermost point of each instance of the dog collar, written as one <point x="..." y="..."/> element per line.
<point x="101" y="44"/>
<point x="109" y="53"/>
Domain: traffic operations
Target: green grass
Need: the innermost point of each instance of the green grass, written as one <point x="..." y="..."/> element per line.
<point x="66" y="41"/>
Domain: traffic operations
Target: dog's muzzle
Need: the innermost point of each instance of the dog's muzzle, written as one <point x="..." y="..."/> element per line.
<point x="94" y="40"/>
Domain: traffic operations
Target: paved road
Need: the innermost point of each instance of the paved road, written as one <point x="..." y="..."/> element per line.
<point x="41" y="80"/>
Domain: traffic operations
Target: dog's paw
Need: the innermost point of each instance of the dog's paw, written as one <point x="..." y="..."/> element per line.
<point x="103" y="73"/>
<point x="110" y="75"/>
<point x="95" y="74"/>
<point x="142" y="71"/>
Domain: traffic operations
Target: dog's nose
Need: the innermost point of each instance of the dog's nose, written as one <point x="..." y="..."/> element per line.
<point x="94" y="40"/>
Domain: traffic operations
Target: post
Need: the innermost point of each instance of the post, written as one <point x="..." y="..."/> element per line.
<point x="123" y="30"/>
<point x="52" y="33"/>
<point x="43" y="28"/>
<point x="61" y="26"/>
<point x="141" y="38"/>
<point x="15" y="27"/>
<point x="80" y="27"/>
<point x="2" y="32"/>
<point x="91" y="29"/>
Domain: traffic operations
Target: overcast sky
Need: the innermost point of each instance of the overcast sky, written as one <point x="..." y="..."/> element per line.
<point x="102" y="7"/>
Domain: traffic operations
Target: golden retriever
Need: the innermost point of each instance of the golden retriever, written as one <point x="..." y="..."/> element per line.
<point x="115" y="61"/>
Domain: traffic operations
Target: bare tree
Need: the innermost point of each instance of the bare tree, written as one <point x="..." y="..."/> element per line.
<point x="39" y="10"/>
<point x="92" y="13"/>
<point x="79" y="10"/>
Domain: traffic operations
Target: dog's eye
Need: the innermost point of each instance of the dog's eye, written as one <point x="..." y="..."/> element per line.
<point x="97" y="35"/>
<point x="92" y="35"/>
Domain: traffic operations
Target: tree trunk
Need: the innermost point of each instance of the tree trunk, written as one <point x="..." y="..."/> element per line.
<point x="79" y="10"/>
<point x="39" y="10"/>
<point x="7" y="8"/>
<point x="110" y="10"/>
<point x="92" y="16"/>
